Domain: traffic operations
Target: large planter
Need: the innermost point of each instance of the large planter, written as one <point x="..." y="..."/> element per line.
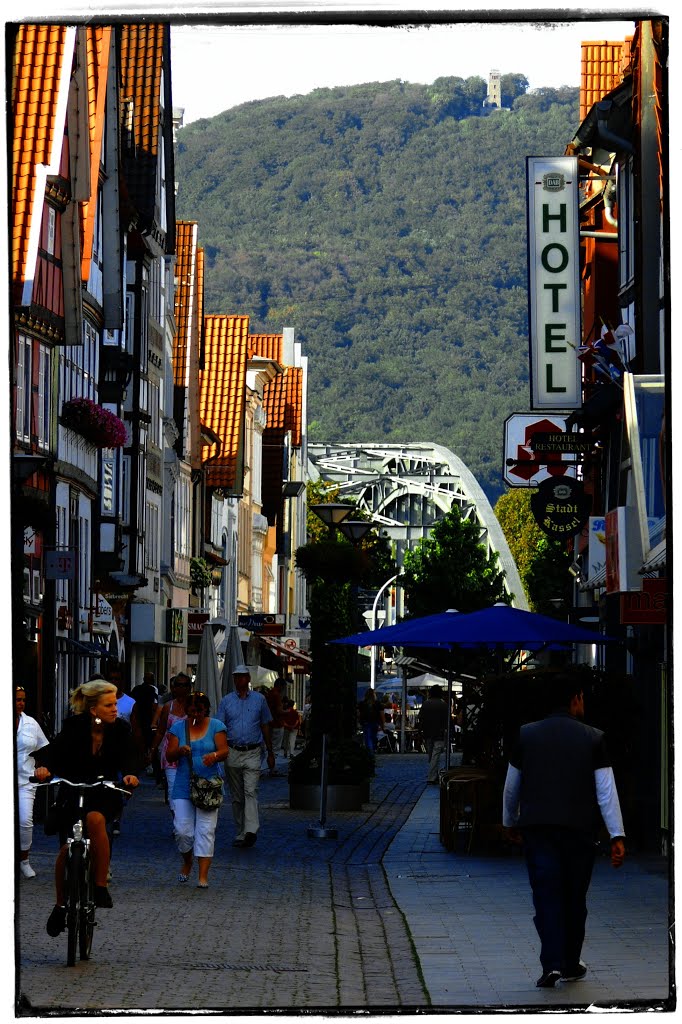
<point x="345" y="797"/>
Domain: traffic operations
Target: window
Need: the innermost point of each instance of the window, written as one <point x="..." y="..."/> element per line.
<point x="51" y="230"/>
<point x="626" y="225"/>
<point x="24" y="389"/>
<point x="44" y="396"/>
<point x="151" y="544"/>
<point x="155" y="413"/>
<point x="108" y="482"/>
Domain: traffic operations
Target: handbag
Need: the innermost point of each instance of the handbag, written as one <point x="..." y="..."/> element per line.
<point x="206" y="794"/>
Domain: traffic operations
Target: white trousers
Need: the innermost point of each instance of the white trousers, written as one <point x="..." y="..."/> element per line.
<point x="242" y="770"/>
<point x="194" y="828"/>
<point x="435" y="749"/>
<point x="26" y="799"/>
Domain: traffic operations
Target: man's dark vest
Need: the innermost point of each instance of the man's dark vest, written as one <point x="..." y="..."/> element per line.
<point x="557" y="759"/>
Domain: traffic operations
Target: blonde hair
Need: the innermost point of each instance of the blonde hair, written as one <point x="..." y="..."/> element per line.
<point x="88" y="694"/>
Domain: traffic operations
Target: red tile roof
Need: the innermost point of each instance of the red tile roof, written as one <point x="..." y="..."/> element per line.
<point x="143" y="47"/>
<point x="222" y="396"/>
<point x="41" y="73"/>
<point x="186" y="233"/>
<point x="98" y="43"/>
<point x="267" y="346"/>
<point x="283" y="404"/>
<point x="602" y="66"/>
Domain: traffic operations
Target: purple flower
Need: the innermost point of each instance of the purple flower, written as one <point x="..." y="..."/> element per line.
<point x="99" y="426"/>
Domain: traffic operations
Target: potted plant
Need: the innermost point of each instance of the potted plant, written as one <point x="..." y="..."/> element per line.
<point x="350" y="766"/>
<point x="101" y="428"/>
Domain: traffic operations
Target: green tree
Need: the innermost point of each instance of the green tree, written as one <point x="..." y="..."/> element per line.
<point x="542" y="561"/>
<point x="334" y="569"/>
<point x="451" y="569"/>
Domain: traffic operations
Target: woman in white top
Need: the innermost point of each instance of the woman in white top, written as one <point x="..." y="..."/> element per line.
<point x="30" y="737"/>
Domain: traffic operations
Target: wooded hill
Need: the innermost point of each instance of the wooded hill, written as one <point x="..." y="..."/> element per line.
<point x="386" y="224"/>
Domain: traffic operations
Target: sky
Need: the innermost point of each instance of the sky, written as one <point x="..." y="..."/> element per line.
<point x="218" y="66"/>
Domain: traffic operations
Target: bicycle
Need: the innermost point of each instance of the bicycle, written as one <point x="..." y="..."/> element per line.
<point x="78" y="879"/>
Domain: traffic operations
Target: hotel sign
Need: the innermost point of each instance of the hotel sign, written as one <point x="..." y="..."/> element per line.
<point x="554" y="282"/>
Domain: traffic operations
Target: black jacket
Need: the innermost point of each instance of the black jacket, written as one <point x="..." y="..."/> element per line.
<point x="70" y="756"/>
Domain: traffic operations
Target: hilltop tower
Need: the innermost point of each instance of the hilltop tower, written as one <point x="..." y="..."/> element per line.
<point x="494" y="98"/>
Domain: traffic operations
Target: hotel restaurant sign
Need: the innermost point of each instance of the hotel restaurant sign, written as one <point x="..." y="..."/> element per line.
<point x="554" y="283"/>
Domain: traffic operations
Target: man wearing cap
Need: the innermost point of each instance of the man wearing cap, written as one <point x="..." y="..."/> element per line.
<point x="247" y="717"/>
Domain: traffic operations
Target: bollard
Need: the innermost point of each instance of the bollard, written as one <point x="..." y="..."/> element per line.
<point x="321" y="831"/>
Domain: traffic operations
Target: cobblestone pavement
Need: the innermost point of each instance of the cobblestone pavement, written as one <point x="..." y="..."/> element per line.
<point x="294" y="922"/>
<point x="380" y="919"/>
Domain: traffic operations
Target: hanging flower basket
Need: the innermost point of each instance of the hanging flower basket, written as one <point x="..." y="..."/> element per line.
<point x="200" y="573"/>
<point x="97" y="425"/>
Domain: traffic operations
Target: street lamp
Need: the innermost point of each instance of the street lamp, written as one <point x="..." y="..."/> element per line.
<point x="332" y="514"/>
<point x="355" y="529"/>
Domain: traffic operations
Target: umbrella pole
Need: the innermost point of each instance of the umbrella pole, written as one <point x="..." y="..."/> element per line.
<point x="404" y="711"/>
<point x="449" y="726"/>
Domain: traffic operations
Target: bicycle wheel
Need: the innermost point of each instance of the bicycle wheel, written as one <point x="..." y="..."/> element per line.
<point x="72" y="885"/>
<point x="86" y="924"/>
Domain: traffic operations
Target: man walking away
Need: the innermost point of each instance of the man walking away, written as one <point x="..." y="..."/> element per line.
<point x="248" y="721"/>
<point x="559" y="780"/>
<point x="432" y="723"/>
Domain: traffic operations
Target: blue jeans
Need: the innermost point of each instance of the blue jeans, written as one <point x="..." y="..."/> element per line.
<point x="369" y="735"/>
<point x="559" y="862"/>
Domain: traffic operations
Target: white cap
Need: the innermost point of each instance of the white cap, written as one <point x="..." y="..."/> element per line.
<point x="242" y="670"/>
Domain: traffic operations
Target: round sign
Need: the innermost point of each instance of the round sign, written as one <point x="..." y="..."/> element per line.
<point x="560" y="507"/>
<point x="290" y="644"/>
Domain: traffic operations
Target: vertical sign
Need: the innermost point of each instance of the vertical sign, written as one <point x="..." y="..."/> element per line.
<point x="554" y="282"/>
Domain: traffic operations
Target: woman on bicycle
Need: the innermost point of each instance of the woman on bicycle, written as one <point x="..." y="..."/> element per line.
<point x="197" y="744"/>
<point x="93" y="743"/>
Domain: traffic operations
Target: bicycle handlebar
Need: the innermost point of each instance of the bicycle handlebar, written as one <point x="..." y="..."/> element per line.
<point x="81" y="785"/>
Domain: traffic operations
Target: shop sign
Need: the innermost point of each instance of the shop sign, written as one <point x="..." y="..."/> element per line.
<point x="554" y="282"/>
<point x="102" y="617"/>
<point x="560" y="507"/>
<point x="60" y="565"/>
<point x="596" y="546"/>
<point x="623" y="550"/>
<point x="175" y="626"/>
<point x="523" y="465"/>
<point x="195" y="623"/>
<point x="263" y="624"/>
<point x="646" y="607"/>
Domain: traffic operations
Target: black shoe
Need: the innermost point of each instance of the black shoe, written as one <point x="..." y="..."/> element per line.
<point x="239" y="843"/>
<point x="56" y="922"/>
<point x="574" y="973"/>
<point x="249" y="839"/>
<point x="548" y="979"/>
<point x="103" y="897"/>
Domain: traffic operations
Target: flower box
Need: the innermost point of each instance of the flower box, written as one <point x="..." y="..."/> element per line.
<point x="100" y="427"/>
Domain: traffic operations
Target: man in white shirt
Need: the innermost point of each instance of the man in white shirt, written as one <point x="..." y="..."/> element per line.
<point x="559" y="781"/>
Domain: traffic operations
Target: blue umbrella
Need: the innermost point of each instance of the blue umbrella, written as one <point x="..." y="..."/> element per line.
<point x="497" y="627"/>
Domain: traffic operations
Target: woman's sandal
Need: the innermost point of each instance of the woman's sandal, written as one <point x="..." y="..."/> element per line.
<point x="202" y="885"/>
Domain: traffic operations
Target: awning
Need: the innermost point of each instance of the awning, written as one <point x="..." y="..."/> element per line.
<point x="288" y="649"/>
<point x="85" y="649"/>
<point x="595" y="582"/>
<point x="656" y="559"/>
